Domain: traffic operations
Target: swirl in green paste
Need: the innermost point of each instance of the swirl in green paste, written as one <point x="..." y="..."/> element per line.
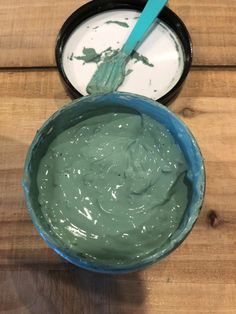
<point x="113" y="187"/>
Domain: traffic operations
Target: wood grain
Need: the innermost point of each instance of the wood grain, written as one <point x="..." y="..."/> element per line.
<point x="28" y="30"/>
<point x="199" y="277"/>
<point x="80" y="292"/>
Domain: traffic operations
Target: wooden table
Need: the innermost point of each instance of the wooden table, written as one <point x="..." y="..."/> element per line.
<point x="200" y="276"/>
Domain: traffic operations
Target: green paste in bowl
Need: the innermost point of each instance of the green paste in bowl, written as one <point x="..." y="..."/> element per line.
<point x="111" y="188"/>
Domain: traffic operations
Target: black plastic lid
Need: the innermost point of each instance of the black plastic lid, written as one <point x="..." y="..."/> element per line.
<point x="169" y="20"/>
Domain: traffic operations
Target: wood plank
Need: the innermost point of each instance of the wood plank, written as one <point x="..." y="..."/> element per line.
<point x="199" y="277"/>
<point x="212" y="27"/>
<point x="28" y="30"/>
<point x="77" y="291"/>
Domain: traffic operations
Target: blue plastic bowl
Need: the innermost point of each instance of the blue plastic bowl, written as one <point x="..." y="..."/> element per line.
<point x="68" y="116"/>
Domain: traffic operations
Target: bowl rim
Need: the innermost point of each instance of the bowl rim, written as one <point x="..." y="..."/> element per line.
<point x="82" y="262"/>
<point x="99" y="6"/>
